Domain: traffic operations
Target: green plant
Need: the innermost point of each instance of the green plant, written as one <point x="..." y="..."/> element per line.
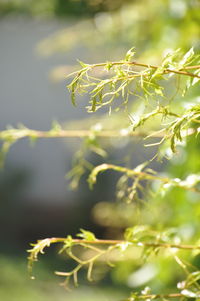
<point x="169" y="120"/>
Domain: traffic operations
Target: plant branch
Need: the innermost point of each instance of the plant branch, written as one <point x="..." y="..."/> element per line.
<point x="16" y="134"/>
<point x="116" y="242"/>
<point x="87" y="133"/>
<point x="143" y="175"/>
<point x="134" y="63"/>
<point x="155" y="296"/>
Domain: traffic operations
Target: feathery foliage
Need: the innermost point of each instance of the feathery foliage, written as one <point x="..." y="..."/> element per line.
<point x="140" y="185"/>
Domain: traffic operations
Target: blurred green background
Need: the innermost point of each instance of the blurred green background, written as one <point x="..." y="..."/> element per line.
<point x="39" y="44"/>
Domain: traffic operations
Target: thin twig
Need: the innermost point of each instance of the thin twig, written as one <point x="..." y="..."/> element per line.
<point x="115" y="242"/>
<point x="87" y="133"/>
<point x="155" y="296"/>
<point x="142" y="174"/>
<point x="166" y="70"/>
<point x="23" y="133"/>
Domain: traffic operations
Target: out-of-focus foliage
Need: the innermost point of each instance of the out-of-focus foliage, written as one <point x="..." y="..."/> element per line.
<point x="59" y="8"/>
<point x="151" y="26"/>
<point x="15" y="285"/>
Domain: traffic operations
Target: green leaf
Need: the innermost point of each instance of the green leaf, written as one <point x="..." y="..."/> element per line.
<point x="86" y="235"/>
<point x="83" y="65"/>
<point x="108" y="66"/>
<point x="187" y="57"/>
<point x="168" y="60"/>
<point x="56" y="128"/>
<point x="195" y="80"/>
<point x="68" y="242"/>
<point x="129" y="55"/>
<point x="132" y="233"/>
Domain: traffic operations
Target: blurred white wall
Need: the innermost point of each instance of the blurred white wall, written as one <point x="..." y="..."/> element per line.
<point x="27" y="96"/>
